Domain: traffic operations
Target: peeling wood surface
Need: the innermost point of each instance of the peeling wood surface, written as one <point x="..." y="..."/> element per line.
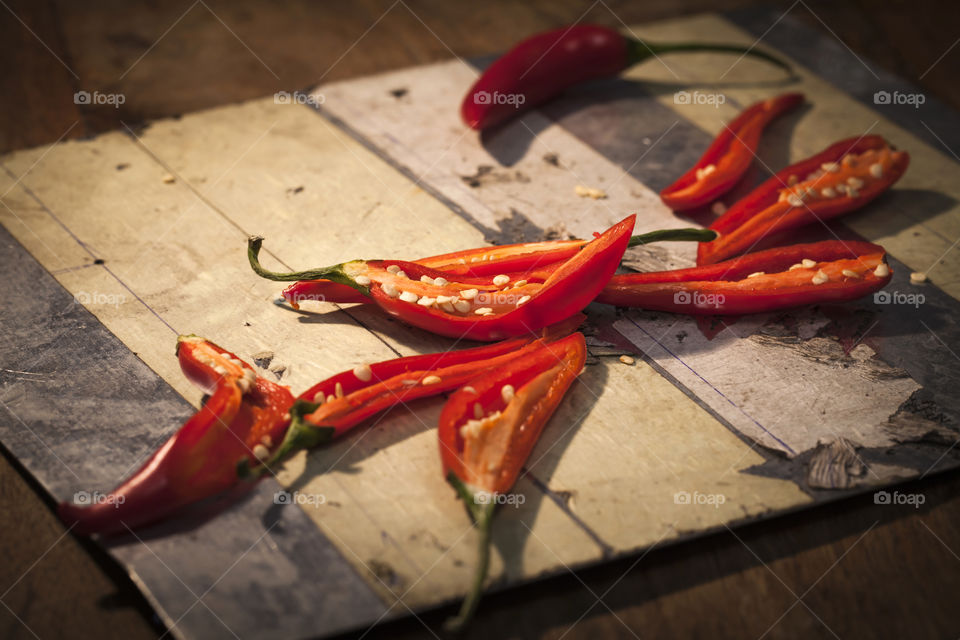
<point x="618" y="470"/>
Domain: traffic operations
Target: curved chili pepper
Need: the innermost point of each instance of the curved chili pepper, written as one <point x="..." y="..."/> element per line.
<point x="472" y="307"/>
<point x="544" y="65"/>
<point x="242" y="420"/>
<point x="530" y="261"/>
<point x="842" y="178"/>
<point x="780" y="278"/>
<point x="728" y="157"/>
<point x="489" y="427"/>
<point x="332" y="407"/>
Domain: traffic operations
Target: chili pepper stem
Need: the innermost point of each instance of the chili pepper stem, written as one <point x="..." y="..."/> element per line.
<point x="639" y="50"/>
<point x="482" y="515"/>
<point x="334" y="273"/>
<point x="674" y="235"/>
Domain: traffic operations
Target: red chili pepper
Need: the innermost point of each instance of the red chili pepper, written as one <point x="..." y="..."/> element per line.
<point x="244" y="419"/>
<point x="728" y="157"/>
<point x="474" y="307"/>
<point x="334" y="406"/>
<point x="530" y="261"/>
<point x="780" y="278"/>
<point x="489" y="427"/>
<point x="544" y="65"/>
<point x="843" y="177"/>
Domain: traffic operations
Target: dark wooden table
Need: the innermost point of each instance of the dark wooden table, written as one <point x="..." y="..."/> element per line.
<point x="847" y="570"/>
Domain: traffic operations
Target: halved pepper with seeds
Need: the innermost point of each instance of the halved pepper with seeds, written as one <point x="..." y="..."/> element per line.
<point x="245" y="418"/>
<point x="476" y="307"/>
<point x="334" y="406"/>
<point x="780" y="278"/>
<point x="529" y="261"/>
<point x="728" y="157"/>
<point x="840" y="179"/>
<point x="489" y="427"/>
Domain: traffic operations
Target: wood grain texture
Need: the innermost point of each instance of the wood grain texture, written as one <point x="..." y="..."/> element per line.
<point x="678" y="592"/>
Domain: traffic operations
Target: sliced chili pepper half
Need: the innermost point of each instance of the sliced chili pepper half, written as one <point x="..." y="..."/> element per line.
<point x="336" y="405"/>
<point x="244" y="418"/>
<point x="780" y="278"/>
<point x="489" y="427"/>
<point x="844" y="177"/>
<point x="728" y="157"/>
<point x="530" y="261"/>
<point x="545" y="64"/>
<point x="473" y="307"/>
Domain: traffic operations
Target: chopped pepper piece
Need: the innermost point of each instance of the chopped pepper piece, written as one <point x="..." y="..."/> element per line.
<point x="780" y="278"/>
<point x="475" y="307"/>
<point x="728" y="157"/>
<point x="244" y="418"/>
<point x="489" y="427"/>
<point x="840" y="179"/>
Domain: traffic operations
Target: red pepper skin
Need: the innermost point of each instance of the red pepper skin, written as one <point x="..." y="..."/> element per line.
<point x="199" y="460"/>
<point x="764" y="211"/>
<point x="730" y="155"/>
<point x="541" y="67"/>
<point x="321" y="291"/>
<point x="725" y="288"/>
<point x="570" y="288"/>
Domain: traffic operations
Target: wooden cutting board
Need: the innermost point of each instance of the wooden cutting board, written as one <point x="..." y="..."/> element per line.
<point x="119" y="243"/>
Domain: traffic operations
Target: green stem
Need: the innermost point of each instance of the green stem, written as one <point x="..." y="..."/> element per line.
<point x="674" y="235"/>
<point x="300" y="435"/>
<point x="482" y="515"/>
<point x="335" y="273"/>
<point x="639" y="50"/>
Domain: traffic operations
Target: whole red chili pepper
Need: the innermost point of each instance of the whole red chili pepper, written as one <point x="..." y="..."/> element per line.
<point x="842" y="178"/>
<point x="334" y="406"/>
<point x="488" y="429"/>
<point x="728" y="157"/>
<point x="245" y="418"/>
<point x="780" y="278"/>
<point x="530" y="261"/>
<point x="542" y="66"/>
<point x="474" y="307"/>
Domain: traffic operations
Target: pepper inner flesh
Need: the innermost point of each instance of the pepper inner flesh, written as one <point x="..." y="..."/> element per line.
<point x="854" y="173"/>
<point x="487" y="440"/>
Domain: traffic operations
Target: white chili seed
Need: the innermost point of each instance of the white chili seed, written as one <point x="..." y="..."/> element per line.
<point x="363" y="372"/>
